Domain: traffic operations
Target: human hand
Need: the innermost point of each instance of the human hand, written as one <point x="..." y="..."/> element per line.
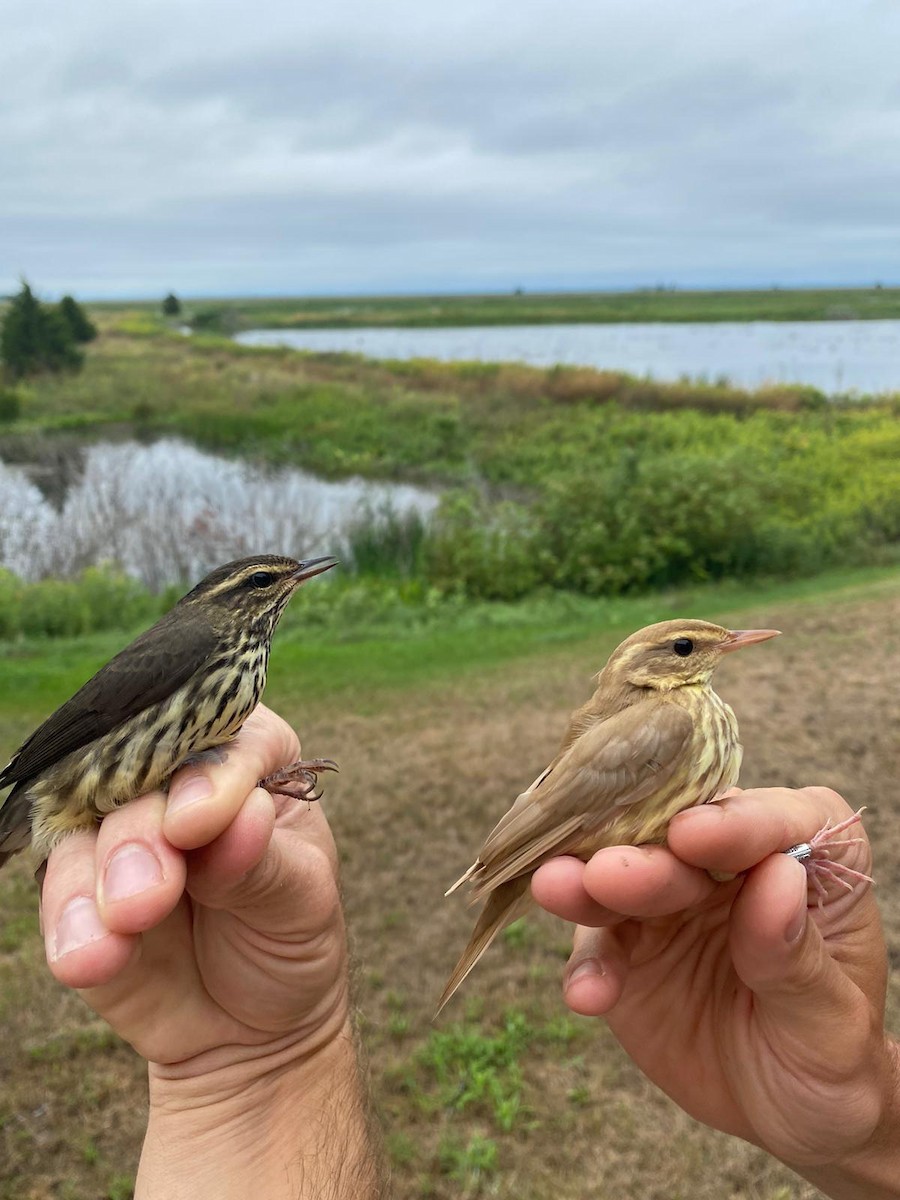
<point x="207" y="930"/>
<point x="758" y="1012"/>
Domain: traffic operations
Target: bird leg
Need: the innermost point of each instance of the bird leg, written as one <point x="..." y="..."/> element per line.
<point x="299" y="779"/>
<point x="816" y="857"/>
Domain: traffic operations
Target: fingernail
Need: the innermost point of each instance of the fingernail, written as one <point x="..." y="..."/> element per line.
<point x="132" y="869"/>
<point x="797" y="924"/>
<point x="78" y="926"/>
<point x="588" y="968"/>
<point x="196" y="787"/>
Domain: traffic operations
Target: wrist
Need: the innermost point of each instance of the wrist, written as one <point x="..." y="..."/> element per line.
<point x="283" y="1122"/>
<point x="873" y="1171"/>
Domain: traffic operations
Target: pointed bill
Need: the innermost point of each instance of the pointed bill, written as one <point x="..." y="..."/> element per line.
<point x="747" y="637"/>
<point x="314" y="566"/>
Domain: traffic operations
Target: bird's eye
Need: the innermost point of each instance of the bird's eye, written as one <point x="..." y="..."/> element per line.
<point x="682" y="647"/>
<point x="261" y="579"/>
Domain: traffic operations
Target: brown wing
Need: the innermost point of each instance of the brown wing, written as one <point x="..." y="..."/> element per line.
<point x="619" y="761"/>
<point x="148" y="671"/>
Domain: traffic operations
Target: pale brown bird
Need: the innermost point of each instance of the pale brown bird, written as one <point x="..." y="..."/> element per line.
<point x="652" y="740"/>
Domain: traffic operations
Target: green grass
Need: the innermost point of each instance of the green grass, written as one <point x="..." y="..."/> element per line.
<point x="772" y="304"/>
<point x="403" y="648"/>
<point x="439" y="712"/>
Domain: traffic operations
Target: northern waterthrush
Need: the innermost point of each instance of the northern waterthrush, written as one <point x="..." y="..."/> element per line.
<point x="182" y="688"/>
<point x="653" y="739"/>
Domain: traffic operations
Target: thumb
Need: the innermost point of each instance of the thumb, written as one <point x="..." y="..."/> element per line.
<point x="804" y="999"/>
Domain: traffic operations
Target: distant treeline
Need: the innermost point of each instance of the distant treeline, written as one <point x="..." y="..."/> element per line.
<point x="518" y="307"/>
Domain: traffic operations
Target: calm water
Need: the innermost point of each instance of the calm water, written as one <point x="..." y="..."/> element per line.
<point x="834" y="356"/>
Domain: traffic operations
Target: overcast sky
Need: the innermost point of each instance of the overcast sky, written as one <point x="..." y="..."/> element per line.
<point x="277" y="146"/>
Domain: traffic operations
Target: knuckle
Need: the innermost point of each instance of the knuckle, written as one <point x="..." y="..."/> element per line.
<point x="824" y="795"/>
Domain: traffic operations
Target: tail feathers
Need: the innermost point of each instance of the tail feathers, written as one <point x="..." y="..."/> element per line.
<point x="15" y="824"/>
<point x="473" y="870"/>
<point x="506" y="904"/>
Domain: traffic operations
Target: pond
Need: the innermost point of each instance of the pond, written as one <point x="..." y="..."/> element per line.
<point x="834" y="356"/>
<point x="167" y="511"/>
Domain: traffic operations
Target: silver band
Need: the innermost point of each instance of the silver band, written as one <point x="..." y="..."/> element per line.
<point x="803" y="852"/>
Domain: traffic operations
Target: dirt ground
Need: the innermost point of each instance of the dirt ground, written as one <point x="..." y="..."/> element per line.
<point x="421" y="783"/>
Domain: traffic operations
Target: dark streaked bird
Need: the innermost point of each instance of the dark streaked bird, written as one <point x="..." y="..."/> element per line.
<point x="652" y="740"/>
<point x="183" y="687"/>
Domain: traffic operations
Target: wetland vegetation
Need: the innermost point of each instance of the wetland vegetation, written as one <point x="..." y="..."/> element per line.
<point x="577" y="505"/>
<point x="517" y="307"/>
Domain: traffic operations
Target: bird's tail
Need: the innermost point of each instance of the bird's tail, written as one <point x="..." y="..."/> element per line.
<point x="505" y="904"/>
<point x="15" y="824"/>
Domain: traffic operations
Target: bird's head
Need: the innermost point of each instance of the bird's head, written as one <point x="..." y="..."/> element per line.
<point x="252" y="592"/>
<point x="675" y="654"/>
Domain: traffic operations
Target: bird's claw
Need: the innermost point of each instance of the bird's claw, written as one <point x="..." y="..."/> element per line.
<point x="816" y="857"/>
<point x="298" y="780"/>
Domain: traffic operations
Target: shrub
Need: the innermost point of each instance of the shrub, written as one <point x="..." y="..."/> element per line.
<point x="649" y="522"/>
<point x="98" y="599"/>
<point x="488" y="551"/>
<point x="10" y="406"/>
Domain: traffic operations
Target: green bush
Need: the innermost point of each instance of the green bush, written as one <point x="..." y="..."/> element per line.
<point x="10" y="406"/>
<point x="98" y="599"/>
<point x="487" y="551"/>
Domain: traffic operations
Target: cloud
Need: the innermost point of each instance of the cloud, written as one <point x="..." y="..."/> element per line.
<point x="223" y="148"/>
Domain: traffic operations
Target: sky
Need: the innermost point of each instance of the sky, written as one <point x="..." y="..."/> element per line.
<point x="278" y="147"/>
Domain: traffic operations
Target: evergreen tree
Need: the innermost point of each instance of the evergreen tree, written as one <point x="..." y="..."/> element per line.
<point x="35" y="338"/>
<point x="82" y="327"/>
<point x="20" y="337"/>
<point x="171" y="306"/>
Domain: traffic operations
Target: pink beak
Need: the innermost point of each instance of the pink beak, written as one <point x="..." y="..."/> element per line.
<point x="746" y="637"/>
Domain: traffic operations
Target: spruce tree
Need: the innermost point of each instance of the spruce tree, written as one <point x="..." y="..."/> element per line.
<point x="35" y="338"/>
<point x="82" y="327"/>
<point x="171" y="306"/>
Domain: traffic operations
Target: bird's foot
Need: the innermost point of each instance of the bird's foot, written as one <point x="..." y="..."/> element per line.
<point x="298" y="780"/>
<point x="816" y="857"/>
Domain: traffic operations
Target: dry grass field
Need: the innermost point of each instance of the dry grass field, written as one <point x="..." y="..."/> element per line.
<point x="507" y="1096"/>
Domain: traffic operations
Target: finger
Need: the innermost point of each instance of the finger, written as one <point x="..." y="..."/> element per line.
<point x="271" y="878"/>
<point x="738" y="832"/>
<point x="140" y="877"/>
<point x="558" y="886"/>
<point x="619" y="882"/>
<point x="596" y="972"/>
<point x="218" y="867"/>
<point x="802" y="993"/>
<point x="81" y="951"/>
<point x="645" y="881"/>
<point x="205" y="798"/>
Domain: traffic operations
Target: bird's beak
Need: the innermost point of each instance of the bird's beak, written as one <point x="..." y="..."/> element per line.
<point x="313" y="566"/>
<point x="746" y="637"/>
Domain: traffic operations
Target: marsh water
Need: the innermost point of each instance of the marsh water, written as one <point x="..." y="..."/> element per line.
<point x="836" y="357"/>
<point x="168" y="511"/>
